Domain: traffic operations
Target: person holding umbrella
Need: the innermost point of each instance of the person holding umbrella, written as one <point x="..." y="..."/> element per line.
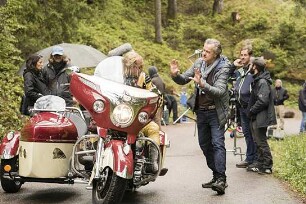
<point x="34" y="83"/>
<point x="56" y="75"/>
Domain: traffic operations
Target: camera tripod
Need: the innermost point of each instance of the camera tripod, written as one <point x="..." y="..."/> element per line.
<point x="233" y="123"/>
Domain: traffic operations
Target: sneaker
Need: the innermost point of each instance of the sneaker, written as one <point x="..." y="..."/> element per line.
<point x="253" y="167"/>
<point x="209" y="184"/>
<point x="219" y="186"/>
<point x="265" y="171"/>
<point x="243" y="164"/>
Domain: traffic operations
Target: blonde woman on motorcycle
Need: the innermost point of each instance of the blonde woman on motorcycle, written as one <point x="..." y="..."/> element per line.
<point x="134" y="76"/>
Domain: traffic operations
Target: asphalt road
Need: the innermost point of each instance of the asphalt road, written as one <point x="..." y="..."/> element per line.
<point x="182" y="184"/>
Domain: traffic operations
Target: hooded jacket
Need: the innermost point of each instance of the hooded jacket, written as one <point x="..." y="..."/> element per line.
<point x="156" y="80"/>
<point x="218" y="89"/>
<point x="58" y="82"/>
<point x="261" y="106"/>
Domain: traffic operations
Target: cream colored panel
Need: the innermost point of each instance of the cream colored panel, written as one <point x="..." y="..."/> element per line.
<point x="44" y="160"/>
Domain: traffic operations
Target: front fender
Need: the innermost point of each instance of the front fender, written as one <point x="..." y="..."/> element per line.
<point x="9" y="145"/>
<point x="119" y="157"/>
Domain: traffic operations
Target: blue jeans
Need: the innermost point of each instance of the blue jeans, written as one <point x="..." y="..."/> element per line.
<point x="303" y="122"/>
<point x="250" y="144"/>
<point x="211" y="141"/>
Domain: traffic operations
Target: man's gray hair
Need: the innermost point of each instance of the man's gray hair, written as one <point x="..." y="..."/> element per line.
<point x="217" y="45"/>
<point x="280" y="81"/>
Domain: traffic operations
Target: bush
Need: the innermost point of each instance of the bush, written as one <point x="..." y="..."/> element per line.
<point x="290" y="161"/>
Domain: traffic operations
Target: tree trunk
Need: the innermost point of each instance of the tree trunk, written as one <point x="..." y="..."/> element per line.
<point x="158" y="25"/>
<point x="172" y="9"/>
<point x="217" y="7"/>
<point x="235" y="17"/>
<point x="2" y="2"/>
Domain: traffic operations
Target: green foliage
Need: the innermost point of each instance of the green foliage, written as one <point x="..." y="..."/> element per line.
<point x="47" y="23"/>
<point x="10" y="91"/>
<point x="290" y="161"/>
<point x="26" y="27"/>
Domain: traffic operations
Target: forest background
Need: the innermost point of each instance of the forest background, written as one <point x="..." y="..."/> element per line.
<point x="159" y="30"/>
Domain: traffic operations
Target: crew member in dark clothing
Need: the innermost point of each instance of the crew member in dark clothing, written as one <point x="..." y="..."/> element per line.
<point x="56" y="75"/>
<point x="160" y="85"/>
<point x="34" y="83"/>
<point x="280" y="94"/>
<point x="302" y="107"/>
<point x="261" y="113"/>
<point x="172" y="106"/>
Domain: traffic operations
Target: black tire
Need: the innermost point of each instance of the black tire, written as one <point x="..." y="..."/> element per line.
<point x="109" y="189"/>
<point x="8" y="185"/>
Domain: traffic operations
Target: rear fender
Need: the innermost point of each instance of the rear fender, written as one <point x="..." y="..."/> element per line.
<point x="10" y="145"/>
<point x="119" y="157"/>
<point x="164" y="144"/>
<point x="164" y="141"/>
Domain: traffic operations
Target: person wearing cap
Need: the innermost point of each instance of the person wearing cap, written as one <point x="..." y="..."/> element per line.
<point x="242" y="89"/>
<point x="280" y="94"/>
<point x="261" y="112"/>
<point x="210" y="74"/>
<point x="57" y="76"/>
<point x="160" y="85"/>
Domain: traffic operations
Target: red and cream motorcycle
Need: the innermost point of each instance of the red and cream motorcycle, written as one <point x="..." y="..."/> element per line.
<point x="55" y="145"/>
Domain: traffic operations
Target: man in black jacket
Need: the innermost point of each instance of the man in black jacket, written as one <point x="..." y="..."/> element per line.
<point x="56" y="75"/>
<point x="280" y="94"/>
<point x="261" y="113"/>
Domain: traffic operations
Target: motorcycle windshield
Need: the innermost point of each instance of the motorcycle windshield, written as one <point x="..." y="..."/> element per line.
<point x="50" y="103"/>
<point x="110" y="68"/>
<point x="114" y="91"/>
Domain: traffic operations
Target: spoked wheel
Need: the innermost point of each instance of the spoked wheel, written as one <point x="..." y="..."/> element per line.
<point x="9" y="185"/>
<point x="109" y="188"/>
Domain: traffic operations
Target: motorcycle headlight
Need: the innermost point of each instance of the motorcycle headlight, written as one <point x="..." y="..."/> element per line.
<point x="143" y="117"/>
<point x="122" y="115"/>
<point x="98" y="106"/>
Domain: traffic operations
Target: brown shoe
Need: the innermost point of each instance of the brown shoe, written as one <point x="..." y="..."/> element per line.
<point x="243" y="164"/>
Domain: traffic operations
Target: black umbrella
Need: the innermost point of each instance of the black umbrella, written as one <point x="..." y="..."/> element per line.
<point x="80" y="55"/>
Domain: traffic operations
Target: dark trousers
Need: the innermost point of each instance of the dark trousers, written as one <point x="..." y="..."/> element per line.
<point x="173" y="108"/>
<point x="250" y="144"/>
<point x="211" y="141"/>
<point x="264" y="156"/>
